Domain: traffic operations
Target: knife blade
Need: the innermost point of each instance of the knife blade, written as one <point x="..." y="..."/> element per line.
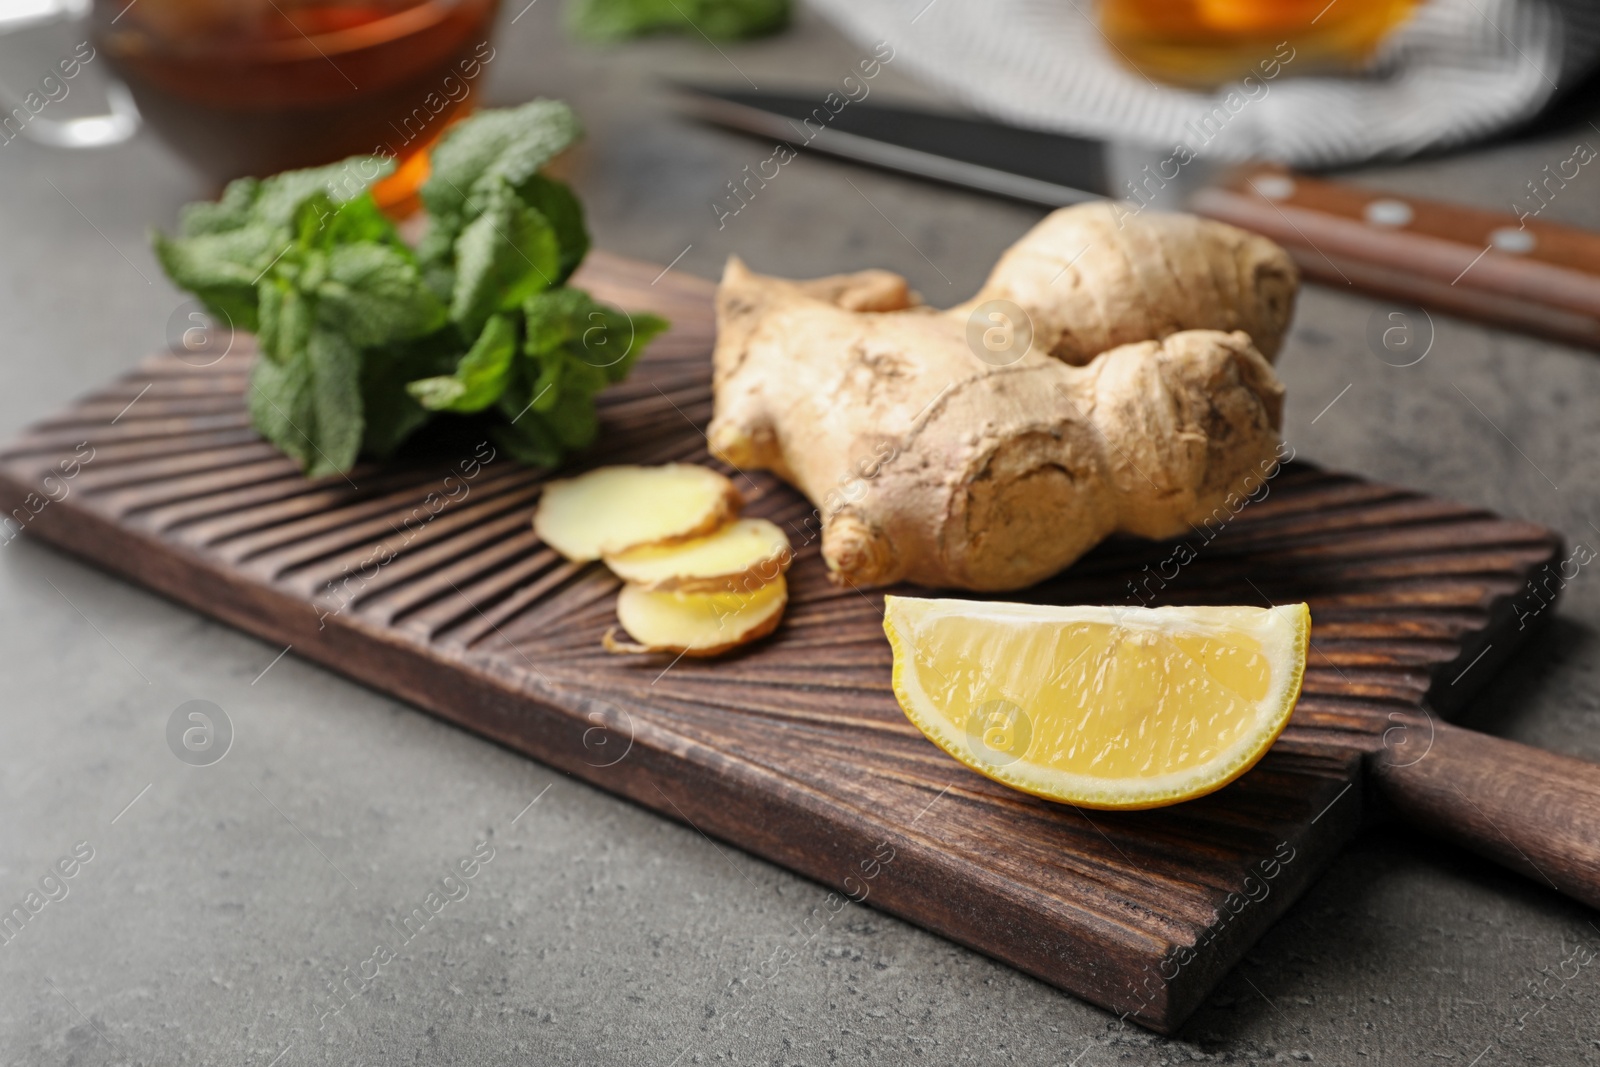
<point x="1508" y="269"/>
<point x="1048" y="169"/>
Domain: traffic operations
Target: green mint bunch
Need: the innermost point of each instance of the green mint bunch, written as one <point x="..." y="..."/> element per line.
<point x="615" y="20"/>
<point x="364" y="339"/>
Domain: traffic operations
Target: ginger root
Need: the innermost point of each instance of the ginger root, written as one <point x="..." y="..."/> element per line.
<point x="1091" y="281"/>
<point x="933" y="461"/>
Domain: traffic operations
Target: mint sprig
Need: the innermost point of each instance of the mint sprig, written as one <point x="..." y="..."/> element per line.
<point x="364" y="339"/>
<point x="615" y="20"/>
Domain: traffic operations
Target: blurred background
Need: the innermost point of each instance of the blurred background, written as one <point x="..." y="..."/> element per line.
<point x="204" y="927"/>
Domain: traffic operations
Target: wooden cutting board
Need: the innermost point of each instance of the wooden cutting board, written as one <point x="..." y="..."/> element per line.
<point x="423" y="579"/>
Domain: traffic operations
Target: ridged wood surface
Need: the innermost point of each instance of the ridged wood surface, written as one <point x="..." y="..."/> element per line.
<point x="795" y="749"/>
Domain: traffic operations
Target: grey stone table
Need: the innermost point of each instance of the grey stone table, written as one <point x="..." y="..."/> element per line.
<point x="222" y="903"/>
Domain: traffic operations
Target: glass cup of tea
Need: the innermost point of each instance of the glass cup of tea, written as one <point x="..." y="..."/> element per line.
<point x="253" y="87"/>
<point x="1204" y="43"/>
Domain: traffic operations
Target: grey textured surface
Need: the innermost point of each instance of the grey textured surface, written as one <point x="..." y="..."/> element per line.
<point x="219" y="908"/>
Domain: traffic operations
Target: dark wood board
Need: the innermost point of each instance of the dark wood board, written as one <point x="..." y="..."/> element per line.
<point x="795" y="749"/>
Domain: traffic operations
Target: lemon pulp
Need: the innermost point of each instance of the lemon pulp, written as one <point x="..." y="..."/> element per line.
<point x="1106" y="707"/>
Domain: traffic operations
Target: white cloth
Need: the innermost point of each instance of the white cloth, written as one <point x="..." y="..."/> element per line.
<point x="1459" y="70"/>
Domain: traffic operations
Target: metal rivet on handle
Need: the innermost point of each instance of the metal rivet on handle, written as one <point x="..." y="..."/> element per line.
<point x="1513" y="239"/>
<point x="1273" y="186"/>
<point x="1389" y="213"/>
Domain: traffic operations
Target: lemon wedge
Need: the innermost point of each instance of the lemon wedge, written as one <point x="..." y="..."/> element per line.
<point x="1098" y="706"/>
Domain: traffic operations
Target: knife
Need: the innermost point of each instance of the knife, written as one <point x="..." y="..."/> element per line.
<point x="1509" y="269"/>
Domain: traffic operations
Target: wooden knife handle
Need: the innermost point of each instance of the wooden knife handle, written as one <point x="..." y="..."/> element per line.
<point x="1537" y="812"/>
<point x="1517" y="272"/>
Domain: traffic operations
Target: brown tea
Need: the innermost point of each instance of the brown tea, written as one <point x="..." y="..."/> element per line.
<point x="1204" y="43"/>
<point x="253" y="87"/>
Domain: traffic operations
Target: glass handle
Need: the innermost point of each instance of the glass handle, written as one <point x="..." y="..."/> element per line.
<point x="55" y="88"/>
<point x="120" y="122"/>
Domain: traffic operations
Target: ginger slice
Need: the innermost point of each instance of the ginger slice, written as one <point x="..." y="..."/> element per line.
<point x="739" y="558"/>
<point x="612" y="509"/>
<point x="696" y="624"/>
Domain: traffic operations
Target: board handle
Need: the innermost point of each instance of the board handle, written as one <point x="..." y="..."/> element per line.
<point x="1534" y="811"/>
<point x="1508" y="268"/>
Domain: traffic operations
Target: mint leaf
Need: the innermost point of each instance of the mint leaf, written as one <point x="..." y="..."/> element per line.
<point x="279" y="197"/>
<point x="556" y="202"/>
<point x="227" y="250"/>
<point x="574" y="423"/>
<point x="475" y="167"/>
<point x="358" y="220"/>
<point x="615" y="20"/>
<point x="575" y="346"/>
<point x="602" y="338"/>
<point x="272" y="202"/>
<point x="221" y="269"/>
<point x="502" y="257"/>
<point x="375" y="296"/>
<point x="336" y="401"/>
<point x="281" y="402"/>
<point x="436" y="253"/>
<point x="234" y="258"/>
<point x="507" y="145"/>
<point x="231" y="212"/>
<point x="309" y="404"/>
<point x="480" y="378"/>
<point x="286" y="320"/>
